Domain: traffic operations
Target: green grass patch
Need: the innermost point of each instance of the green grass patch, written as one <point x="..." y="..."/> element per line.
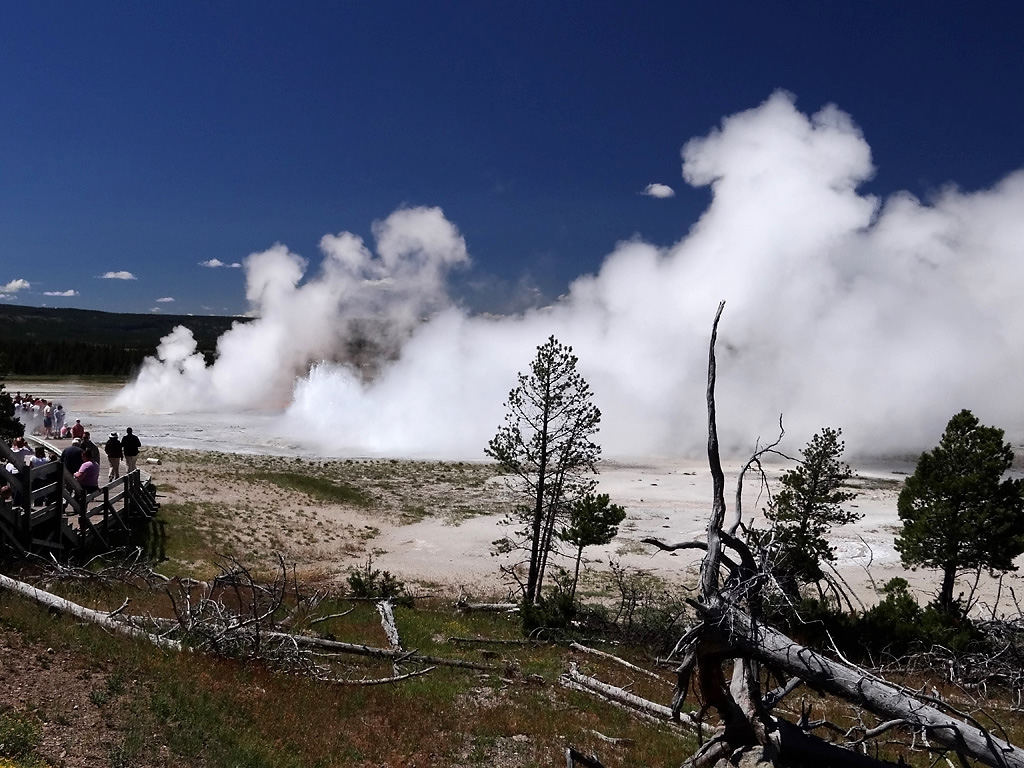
<point x="216" y="713"/>
<point x="20" y="734"/>
<point x="317" y="488"/>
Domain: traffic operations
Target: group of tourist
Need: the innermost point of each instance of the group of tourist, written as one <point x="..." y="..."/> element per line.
<point x="81" y="458"/>
<point x="41" y="417"/>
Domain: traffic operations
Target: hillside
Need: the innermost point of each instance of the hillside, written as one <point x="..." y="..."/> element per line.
<point x="44" y="341"/>
<point x="90" y="326"/>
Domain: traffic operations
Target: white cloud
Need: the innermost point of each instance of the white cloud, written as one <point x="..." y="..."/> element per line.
<point x="659" y="190"/>
<point x="164" y="300"/>
<point x="68" y="292"/>
<point x="215" y="263"/>
<point x="14" y="286"/>
<point x="122" y="275"/>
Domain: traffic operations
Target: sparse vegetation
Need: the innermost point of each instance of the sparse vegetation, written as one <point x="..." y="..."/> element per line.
<point x="192" y="710"/>
<point x="317" y="488"/>
<point x="127" y="704"/>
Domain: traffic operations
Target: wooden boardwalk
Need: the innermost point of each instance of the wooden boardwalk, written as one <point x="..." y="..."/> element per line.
<point x="51" y="514"/>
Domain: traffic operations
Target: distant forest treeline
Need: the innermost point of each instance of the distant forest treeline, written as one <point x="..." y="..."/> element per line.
<point x="42" y="341"/>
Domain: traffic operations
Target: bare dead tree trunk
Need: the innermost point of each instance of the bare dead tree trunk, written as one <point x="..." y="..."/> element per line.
<point x="731" y="629"/>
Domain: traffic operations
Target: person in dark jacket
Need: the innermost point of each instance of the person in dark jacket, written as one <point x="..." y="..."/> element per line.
<point x="72" y="457"/>
<point x="114" y="453"/>
<point x="130" y="444"/>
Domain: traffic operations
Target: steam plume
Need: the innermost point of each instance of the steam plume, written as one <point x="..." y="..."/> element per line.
<point x="880" y="317"/>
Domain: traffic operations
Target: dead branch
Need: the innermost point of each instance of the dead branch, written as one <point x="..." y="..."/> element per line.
<point x="320" y="619"/>
<point x="489" y="641"/>
<point x="382" y="653"/>
<point x="613" y="739"/>
<point x="379" y="680"/>
<point x="623" y="696"/>
<point x="709" y="569"/>
<point x="617" y="660"/>
<point x="755" y="462"/>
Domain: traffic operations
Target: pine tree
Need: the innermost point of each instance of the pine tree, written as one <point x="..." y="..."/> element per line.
<point x="959" y="511"/>
<point x="545" y="445"/>
<point x="804" y="511"/>
<point x="593" y="521"/>
<point x="10" y="427"/>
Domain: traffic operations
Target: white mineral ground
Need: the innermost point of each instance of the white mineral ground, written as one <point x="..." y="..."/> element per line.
<point x="666" y="498"/>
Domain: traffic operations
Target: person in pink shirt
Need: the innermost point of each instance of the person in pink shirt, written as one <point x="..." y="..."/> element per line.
<point x="88" y="475"/>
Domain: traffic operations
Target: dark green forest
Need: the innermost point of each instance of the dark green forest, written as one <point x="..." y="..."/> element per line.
<point x="43" y="341"/>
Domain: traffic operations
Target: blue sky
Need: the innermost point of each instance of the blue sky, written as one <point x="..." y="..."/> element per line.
<point x="141" y="140"/>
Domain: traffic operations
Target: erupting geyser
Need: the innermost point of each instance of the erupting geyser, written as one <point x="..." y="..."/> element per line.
<point x="883" y="317"/>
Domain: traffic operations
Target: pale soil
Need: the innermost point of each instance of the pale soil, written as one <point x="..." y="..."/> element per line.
<point x="432" y="524"/>
<point x="438" y="534"/>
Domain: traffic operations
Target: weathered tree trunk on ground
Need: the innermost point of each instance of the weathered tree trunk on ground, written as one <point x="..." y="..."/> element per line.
<point x="730" y="629"/>
<point x="105" y="620"/>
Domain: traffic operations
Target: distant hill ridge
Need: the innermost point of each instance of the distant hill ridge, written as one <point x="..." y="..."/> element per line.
<point x="41" y="341"/>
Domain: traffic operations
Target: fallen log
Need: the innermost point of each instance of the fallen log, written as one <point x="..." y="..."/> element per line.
<point x="380" y="653"/>
<point x="771" y="647"/>
<point x="464" y="605"/>
<point x="660" y="711"/>
<point x="105" y="620"/>
<point x="617" y="660"/>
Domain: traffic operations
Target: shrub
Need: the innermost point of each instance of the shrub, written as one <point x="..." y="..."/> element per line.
<point x="554" y="610"/>
<point x="896" y="626"/>
<point x="374" y="584"/>
<point x="19" y="735"/>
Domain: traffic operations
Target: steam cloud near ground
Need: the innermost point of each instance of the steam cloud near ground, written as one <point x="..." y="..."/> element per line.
<point x="882" y="317"/>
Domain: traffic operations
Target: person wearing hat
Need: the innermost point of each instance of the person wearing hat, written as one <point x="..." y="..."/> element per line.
<point x="114" y="453"/>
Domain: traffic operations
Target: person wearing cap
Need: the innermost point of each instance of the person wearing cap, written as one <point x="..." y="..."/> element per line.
<point x="114" y="455"/>
<point x="72" y="457"/>
<point x="130" y="444"/>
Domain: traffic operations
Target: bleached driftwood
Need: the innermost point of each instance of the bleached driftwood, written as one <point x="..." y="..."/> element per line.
<point x="378" y="680"/>
<point x="386" y="609"/>
<point x="614" y="693"/>
<point x="105" y="620"/>
<point x="381" y="653"/>
<point x="464" y="605"/>
<point x="618" y="741"/>
<point x="617" y="660"/>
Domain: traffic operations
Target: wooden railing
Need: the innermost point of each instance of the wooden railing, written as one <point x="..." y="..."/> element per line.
<point x="49" y="511"/>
